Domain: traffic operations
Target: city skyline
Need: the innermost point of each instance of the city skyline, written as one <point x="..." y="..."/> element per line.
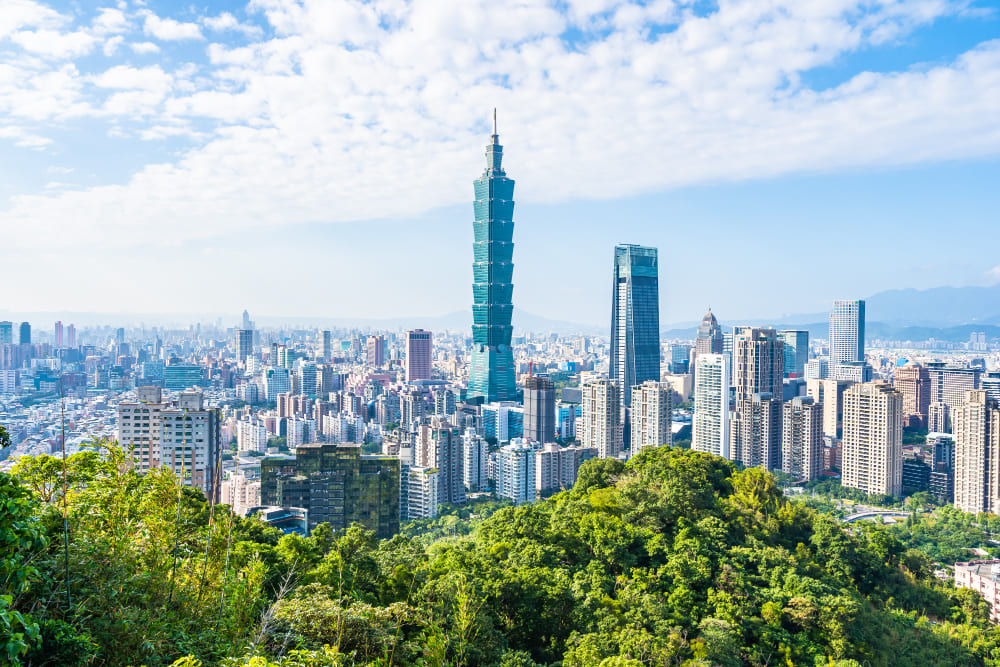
<point x="881" y="126"/>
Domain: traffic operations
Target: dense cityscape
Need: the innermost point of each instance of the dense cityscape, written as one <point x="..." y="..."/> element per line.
<point x="237" y="431"/>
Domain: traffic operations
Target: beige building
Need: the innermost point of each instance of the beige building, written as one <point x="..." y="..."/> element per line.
<point x="652" y="415"/>
<point x="873" y="439"/>
<point x="982" y="576"/>
<point x="802" y="438"/>
<point x="977" y="454"/>
<point x="830" y="394"/>
<point x="601" y="417"/>
<point x="914" y="383"/>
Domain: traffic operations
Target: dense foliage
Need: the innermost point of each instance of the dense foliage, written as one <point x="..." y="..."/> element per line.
<point x="675" y="558"/>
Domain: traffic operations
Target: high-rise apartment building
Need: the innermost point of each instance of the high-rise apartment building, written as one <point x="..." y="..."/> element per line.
<point x="59" y="334"/>
<point x="327" y="346"/>
<point x="418" y="492"/>
<point x="977" y="454"/>
<point x="635" y="319"/>
<point x="914" y="383"/>
<point x="796" y="352"/>
<point x="516" y="472"/>
<point x="652" y="415"/>
<point x="418" y="355"/>
<point x="182" y="436"/>
<point x="25" y="338"/>
<point x="475" y="460"/>
<point x="376" y="351"/>
<point x="873" y="439"/>
<point x="244" y="344"/>
<point x="600" y="424"/>
<point x="491" y="367"/>
<point x="71" y="336"/>
<point x="938" y="417"/>
<point x="440" y="446"/>
<point x="758" y="372"/>
<point x="539" y="409"/>
<point x="336" y="484"/>
<point x="847" y="333"/>
<point x="556" y="467"/>
<point x="710" y="424"/>
<point x="802" y="439"/>
<point x="829" y="394"/>
<point x="817" y="369"/>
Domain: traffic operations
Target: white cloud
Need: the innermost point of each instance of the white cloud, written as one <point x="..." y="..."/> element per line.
<point x="55" y="44"/>
<point x="111" y="46"/>
<point x="993" y="275"/>
<point x="110" y="21"/>
<point x="169" y="29"/>
<point x="19" y="14"/>
<point x="226" y="21"/>
<point x="144" y="47"/>
<point x="23" y="137"/>
<point x="367" y="110"/>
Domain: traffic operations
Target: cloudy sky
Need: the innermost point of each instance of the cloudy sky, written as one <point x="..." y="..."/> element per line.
<point x="316" y="158"/>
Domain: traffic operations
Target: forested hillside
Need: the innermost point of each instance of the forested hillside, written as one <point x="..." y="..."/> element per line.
<point x="672" y="559"/>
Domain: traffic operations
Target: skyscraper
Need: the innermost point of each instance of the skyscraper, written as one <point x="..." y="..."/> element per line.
<point x="710" y="424"/>
<point x="71" y="336"/>
<point x="635" y="319"/>
<point x="59" y="334"/>
<point x="6" y="332"/>
<point x="25" y="333"/>
<point x="376" y="351"/>
<point x="796" y="352"/>
<point x="244" y="344"/>
<point x="539" y="409"/>
<point x="491" y="371"/>
<point x="873" y="439"/>
<point x="914" y="383"/>
<point x="847" y="333"/>
<point x="802" y="438"/>
<point x="327" y="346"/>
<point x="758" y="369"/>
<point x="418" y="355"/>
<point x="709" y="339"/>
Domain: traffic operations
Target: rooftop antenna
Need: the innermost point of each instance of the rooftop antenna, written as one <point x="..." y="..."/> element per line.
<point x="494" y="120"/>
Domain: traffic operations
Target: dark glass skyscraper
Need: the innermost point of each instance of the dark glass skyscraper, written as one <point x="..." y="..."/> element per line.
<point x="635" y="319"/>
<point x="491" y="375"/>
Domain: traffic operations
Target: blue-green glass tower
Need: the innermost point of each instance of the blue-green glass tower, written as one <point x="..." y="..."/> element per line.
<point x="491" y="374"/>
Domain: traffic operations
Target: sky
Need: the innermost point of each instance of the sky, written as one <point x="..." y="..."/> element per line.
<point x="315" y="158"/>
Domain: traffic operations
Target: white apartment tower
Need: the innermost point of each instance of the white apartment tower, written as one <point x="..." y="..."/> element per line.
<point x="710" y="425"/>
<point x="652" y="415"/>
<point x="602" y="418"/>
<point x="475" y="460"/>
<point x="873" y="439"/>
<point x="516" y="472"/>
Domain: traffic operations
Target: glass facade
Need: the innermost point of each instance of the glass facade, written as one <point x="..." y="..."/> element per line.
<point x="635" y="318"/>
<point x="491" y="373"/>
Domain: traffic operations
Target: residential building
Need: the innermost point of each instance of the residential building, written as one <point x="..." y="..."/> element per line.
<point x="652" y="415"/>
<point x="758" y="372"/>
<point x="602" y="418"/>
<point x="244" y="344"/>
<point x="710" y="424"/>
<point x="251" y="436"/>
<point x="817" y="369"/>
<point x="938" y="417"/>
<point x="376" y="351"/>
<point x="475" y="460"/>
<point x="829" y="393"/>
<point x="914" y="382"/>
<point x="418" y="488"/>
<point x="802" y="439"/>
<point x="949" y="384"/>
<point x="977" y="454"/>
<point x="982" y="576"/>
<point x="516" y="472"/>
<point x="873" y="439"/>
<point x="440" y="446"/>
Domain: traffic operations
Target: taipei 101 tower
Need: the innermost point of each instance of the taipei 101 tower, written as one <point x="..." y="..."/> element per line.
<point x="491" y="374"/>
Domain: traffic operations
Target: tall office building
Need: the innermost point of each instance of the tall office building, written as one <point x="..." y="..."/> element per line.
<point x="710" y="424"/>
<point x="244" y="345"/>
<point x="796" y="352"/>
<point x="327" y="346"/>
<point x="601" y="419"/>
<point x="977" y="454"/>
<point x="873" y="439"/>
<point x="6" y="332"/>
<point x="59" y="334"/>
<point x="652" y="415"/>
<point x="418" y="355"/>
<point x="709" y="339"/>
<point x="71" y="336"/>
<point x="635" y="319"/>
<point x="914" y="383"/>
<point x="539" y="409"/>
<point x="376" y="351"/>
<point x="336" y="484"/>
<point x="847" y="333"/>
<point x="247" y="324"/>
<point x="25" y="338"/>
<point x="758" y="372"/>
<point x="802" y="439"/>
<point x="491" y="367"/>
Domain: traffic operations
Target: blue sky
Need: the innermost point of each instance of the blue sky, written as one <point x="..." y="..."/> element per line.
<point x="316" y="158"/>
